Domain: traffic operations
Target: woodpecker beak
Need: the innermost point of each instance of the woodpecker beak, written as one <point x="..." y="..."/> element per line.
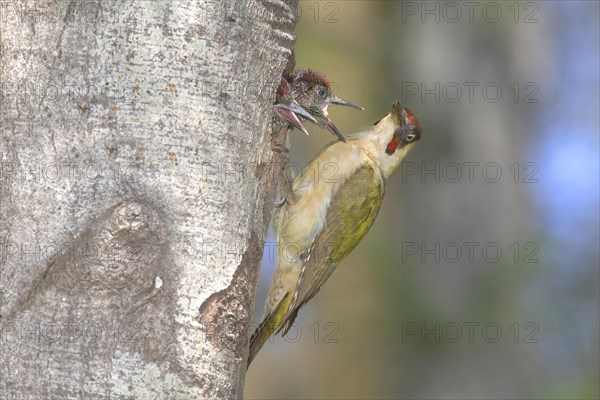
<point x="299" y="110"/>
<point x="290" y="112"/>
<point x="333" y="129"/>
<point x="327" y="123"/>
<point x="338" y="101"/>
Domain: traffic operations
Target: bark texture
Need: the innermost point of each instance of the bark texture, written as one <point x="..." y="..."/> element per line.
<point x="137" y="181"/>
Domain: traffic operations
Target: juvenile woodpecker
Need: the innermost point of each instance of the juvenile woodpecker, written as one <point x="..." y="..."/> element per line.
<point x="288" y="109"/>
<point x="331" y="214"/>
<point x="289" y="112"/>
<point x="313" y="92"/>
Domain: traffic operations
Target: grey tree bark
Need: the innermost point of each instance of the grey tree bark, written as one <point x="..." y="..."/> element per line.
<point x="137" y="181"/>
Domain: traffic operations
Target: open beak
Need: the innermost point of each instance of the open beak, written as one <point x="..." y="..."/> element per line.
<point x="299" y="110"/>
<point x="328" y="123"/>
<point x="290" y="113"/>
<point x="333" y="129"/>
<point x="338" y="101"/>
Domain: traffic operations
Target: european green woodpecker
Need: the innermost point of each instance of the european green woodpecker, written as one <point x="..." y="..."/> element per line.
<point x="331" y="214"/>
<point x="289" y="112"/>
<point x="314" y="93"/>
<point x="288" y="109"/>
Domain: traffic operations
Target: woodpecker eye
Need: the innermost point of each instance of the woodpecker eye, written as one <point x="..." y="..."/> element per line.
<point x="321" y="93"/>
<point x="410" y="137"/>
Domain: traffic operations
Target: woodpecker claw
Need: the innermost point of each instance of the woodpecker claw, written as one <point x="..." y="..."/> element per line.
<point x="280" y="148"/>
<point x="281" y="202"/>
<point x="289" y="197"/>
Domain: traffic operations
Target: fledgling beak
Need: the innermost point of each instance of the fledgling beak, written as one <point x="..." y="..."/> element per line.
<point x="336" y="100"/>
<point x="333" y="99"/>
<point x="332" y="128"/>
<point x="326" y="121"/>
<point x="298" y="110"/>
<point x="290" y="113"/>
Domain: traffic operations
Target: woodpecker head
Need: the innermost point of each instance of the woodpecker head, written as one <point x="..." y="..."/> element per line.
<point x="314" y="93"/>
<point x="391" y="138"/>
<point x="288" y="109"/>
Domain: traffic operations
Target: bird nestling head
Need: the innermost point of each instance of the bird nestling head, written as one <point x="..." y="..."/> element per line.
<point x="314" y="93"/>
<point x="288" y="109"/>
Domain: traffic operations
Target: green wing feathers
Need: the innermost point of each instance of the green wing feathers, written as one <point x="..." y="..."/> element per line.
<point x="349" y="218"/>
<point x="267" y="327"/>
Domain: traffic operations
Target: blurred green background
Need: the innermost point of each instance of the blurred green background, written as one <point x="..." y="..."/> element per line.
<point x="480" y="277"/>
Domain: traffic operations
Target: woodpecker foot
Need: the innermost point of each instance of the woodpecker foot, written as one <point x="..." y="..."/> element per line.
<point x="288" y="199"/>
<point x="280" y="148"/>
<point x="280" y="202"/>
<point x="286" y="192"/>
<point x="291" y="199"/>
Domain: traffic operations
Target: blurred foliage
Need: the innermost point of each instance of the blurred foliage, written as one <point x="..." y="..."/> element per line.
<point x="374" y="51"/>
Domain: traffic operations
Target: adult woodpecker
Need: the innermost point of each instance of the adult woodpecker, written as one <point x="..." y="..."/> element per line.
<point x="313" y="92"/>
<point x="331" y="215"/>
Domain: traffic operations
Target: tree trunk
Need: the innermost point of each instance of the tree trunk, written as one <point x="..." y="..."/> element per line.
<point x="136" y="189"/>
